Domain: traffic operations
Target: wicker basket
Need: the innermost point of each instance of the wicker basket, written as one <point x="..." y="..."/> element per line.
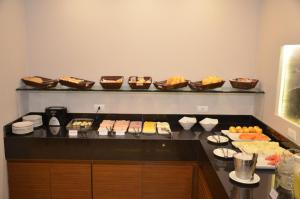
<point x="46" y="82"/>
<point x="140" y="86"/>
<point x="85" y="84"/>
<point x="235" y="83"/>
<point x="163" y="86"/>
<point x="111" y="85"/>
<point x="200" y="87"/>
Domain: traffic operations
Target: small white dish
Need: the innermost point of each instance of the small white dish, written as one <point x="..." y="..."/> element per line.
<point x="224" y="152"/>
<point x="208" y="124"/>
<point x="218" y="139"/>
<point x="232" y="175"/>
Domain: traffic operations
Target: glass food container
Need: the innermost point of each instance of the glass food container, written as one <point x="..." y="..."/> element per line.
<point x="296" y="184"/>
<point x="285" y="170"/>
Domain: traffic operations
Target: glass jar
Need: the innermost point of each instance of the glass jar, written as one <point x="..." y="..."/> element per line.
<point x="285" y="170"/>
<point x="296" y="173"/>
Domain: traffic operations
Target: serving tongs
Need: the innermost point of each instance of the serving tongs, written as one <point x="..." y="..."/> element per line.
<point x="169" y="135"/>
<point x="253" y="166"/>
<point x="217" y="138"/>
<point x="137" y="133"/>
<point x="110" y="132"/>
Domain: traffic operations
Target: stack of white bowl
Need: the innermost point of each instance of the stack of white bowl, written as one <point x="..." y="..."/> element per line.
<point x="22" y="128"/>
<point x="37" y="120"/>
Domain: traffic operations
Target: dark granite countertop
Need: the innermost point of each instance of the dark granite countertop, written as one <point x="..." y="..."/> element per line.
<point x="182" y="146"/>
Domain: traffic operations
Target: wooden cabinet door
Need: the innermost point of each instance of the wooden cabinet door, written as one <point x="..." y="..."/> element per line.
<point x="116" y="181"/>
<point x="71" y="180"/>
<point x="167" y="181"/>
<point x="203" y="188"/>
<point x="28" y="180"/>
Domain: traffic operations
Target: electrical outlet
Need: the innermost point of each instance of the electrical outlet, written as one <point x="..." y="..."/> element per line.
<point x="99" y="107"/>
<point x="292" y="134"/>
<point x="202" y="109"/>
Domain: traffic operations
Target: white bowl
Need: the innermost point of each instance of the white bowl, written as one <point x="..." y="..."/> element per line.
<point x="187" y="122"/>
<point x="208" y="124"/>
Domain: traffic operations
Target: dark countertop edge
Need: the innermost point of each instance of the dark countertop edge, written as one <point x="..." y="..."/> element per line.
<point x="171" y="118"/>
<point x="225" y="120"/>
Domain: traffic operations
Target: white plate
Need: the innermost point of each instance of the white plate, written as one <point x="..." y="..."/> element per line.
<point x="37" y="120"/>
<point x="21" y="125"/>
<point x="32" y="117"/>
<point x="262" y="163"/>
<point x="22" y="128"/>
<point x="215" y="139"/>
<point x="232" y="136"/>
<point x="221" y="151"/>
<point x="236" y="136"/>
<point x="233" y="176"/>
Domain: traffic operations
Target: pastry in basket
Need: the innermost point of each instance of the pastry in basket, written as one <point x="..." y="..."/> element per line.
<point x="112" y="80"/>
<point x="71" y="79"/>
<point x="211" y="80"/>
<point x="139" y="80"/>
<point x="175" y="80"/>
<point x="35" y="79"/>
<point x="244" y="80"/>
<point x="39" y="82"/>
<point x="243" y="83"/>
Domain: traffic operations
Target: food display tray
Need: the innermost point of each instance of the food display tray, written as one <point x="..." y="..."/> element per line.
<point x="161" y="85"/>
<point x="236" y="136"/>
<point x="243" y="85"/>
<point x="47" y="83"/>
<point x="200" y="87"/>
<point x="262" y="163"/>
<point x="140" y="86"/>
<point x="112" y="85"/>
<point x="80" y="128"/>
<point x="85" y="84"/>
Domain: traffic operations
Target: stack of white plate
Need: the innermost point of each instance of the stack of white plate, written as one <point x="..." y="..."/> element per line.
<point x="22" y="128"/>
<point x="37" y="120"/>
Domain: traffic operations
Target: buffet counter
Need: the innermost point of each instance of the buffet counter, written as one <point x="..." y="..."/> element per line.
<point x="53" y="146"/>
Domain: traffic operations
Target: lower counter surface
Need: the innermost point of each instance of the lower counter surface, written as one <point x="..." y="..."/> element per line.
<point x="183" y="146"/>
<point x="234" y="190"/>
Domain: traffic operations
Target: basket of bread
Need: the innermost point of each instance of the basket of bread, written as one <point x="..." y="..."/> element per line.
<point x="210" y="82"/>
<point x="172" y="83"/>
<point x="39" y="82"/>
<point x="243" y="83"/>
<point x="139" y="82"/>
<point x="74" y="82"/>
<point x="111" y="82"/>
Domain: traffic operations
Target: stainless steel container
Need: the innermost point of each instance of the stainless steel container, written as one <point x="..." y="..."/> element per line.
<point x="244" y="165"/>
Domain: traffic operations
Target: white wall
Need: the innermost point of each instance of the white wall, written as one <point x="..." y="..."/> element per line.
<point x="279" y="26"/>
<point x="12" y="63"/>
<point x="160" y="38"/>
